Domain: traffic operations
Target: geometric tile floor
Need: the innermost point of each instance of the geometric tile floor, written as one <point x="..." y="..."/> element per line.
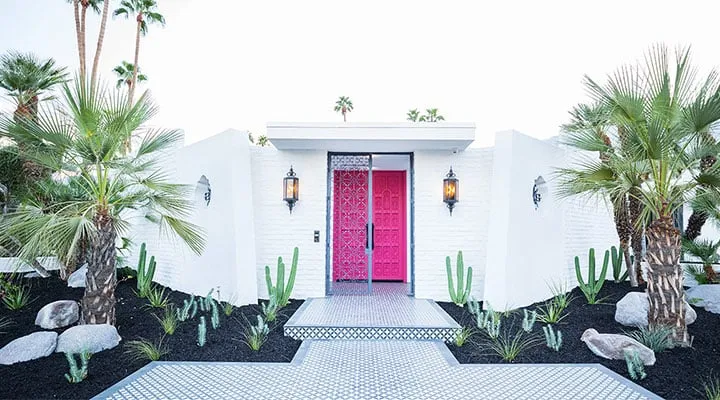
<point x="379" y="369"/>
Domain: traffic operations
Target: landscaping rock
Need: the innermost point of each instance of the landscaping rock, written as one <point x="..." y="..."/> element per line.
<point x="88" y="338"/>
<point x="30" y="347"/>
<point x="58" y="314"/>
<point x="632" y="310"/>
<point x="30" y="275"/>
<point x="77" y="278"/>
<point x="707" y="296"/>
<point x="613" y="347"/>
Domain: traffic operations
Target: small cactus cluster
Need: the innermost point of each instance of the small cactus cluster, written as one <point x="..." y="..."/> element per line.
<point x="202" y="332"/>
<point x="145" y="276"/>
<point x="189" y="309"/>
<point x="77" y="373"/>
<point x="281" y="290"/>
<point x="553" y="339"/>
<point x="461" y="295"/>
<point x="594" y="284"/>
<point x="529" y="320"/>
<point x="635" y="366"/>
<point x="488" y="320"/>
<point x="256" y="335"/>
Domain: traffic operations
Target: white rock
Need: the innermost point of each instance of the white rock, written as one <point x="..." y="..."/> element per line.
<point x="88" y="338"/>
<point x="707" y="296"/>
<point x="77" y="278"/>
<point x="58" y="314"/>
<point x="30" y="347"/>
<point x="613" y="347"/>
<point x="632" y="310"/>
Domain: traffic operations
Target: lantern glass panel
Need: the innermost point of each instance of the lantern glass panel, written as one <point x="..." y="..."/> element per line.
<point x="291" y="188"/>
<point x="450" y="189"/>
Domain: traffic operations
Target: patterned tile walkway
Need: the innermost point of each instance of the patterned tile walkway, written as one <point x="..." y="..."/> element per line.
<point x="338" y="369"/>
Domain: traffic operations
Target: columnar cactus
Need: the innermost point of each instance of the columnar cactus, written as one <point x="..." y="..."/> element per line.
<point x="593" y="285"/>
<point x="144" y="277"/>
<point x="459" y="296"/>
<point x="282" y="291"/>
<point x="553" y="339"/>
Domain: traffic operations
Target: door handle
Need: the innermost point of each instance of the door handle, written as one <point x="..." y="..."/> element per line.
<point x="372" y="232"/>
<point x="367" y="235"/>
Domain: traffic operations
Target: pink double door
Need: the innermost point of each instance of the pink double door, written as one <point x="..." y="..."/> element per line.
<point x="351" y="231"/>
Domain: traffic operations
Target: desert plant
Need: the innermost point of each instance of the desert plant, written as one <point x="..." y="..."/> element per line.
<point x="170" y="320"/>
<point x="553" y="339"/>
<point x="145" y="276"/>
<point x="214" y="315"/>
<point x="270" y="309"/>
<point x="77" y="373"/>
<point x="144" y="349"/>
<point x="707" y="252"/>
<point x="617" y="265"/>
<point x="528" y="320"/>
<point x="697" y="273"/>
<point x="552" y="311"/>
<point x="343" y="105"/>
<point x="282" y="290"/>
<point x="635" y="366"/>
<point x="711" y="388"/>
<point x="509" y="347"/>
<point x="227" y="305"/>
<point x="474" y="306"/>
<point x="463" y="336"/>
<point x="202" y="332"/>
<point x="492" y="325"/>
<point x="459" y="296"/>
<point x="5" y="322"/>
<point x="15" y="297"/>
<point x="188" y="310"/>
<point x="593" y="285"/>
<point x="157" y="297"/>
<point x="256" y="335"/>
<point x="657" y="339"/>
<point x="561" y="295"/>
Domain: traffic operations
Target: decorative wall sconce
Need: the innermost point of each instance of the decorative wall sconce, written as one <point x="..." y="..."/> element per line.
<point x="539" y="191"/>
<point x="291" y="187"/>
<point x="451" y="190"/>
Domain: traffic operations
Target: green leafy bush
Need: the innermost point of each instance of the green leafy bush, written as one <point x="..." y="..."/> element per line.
<point x="551" y="312"/>
<point x="509" y="346"/>
<point x="711" y="388"/>
<point x="169" y="321"/>
<point x="15" y="297"/>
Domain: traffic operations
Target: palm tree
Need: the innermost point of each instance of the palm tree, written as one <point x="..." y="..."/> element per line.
<point x="263" y="141"/>
<point x="344" y="105"/>
<point x="125" y="72"/>
<point x="84" y="136"/>
<point x="80" y="13"/>
<point x="101" y="39"/>
<point x="665" y="111"/>
<point x="707" y="252"/>
<point x="413" y="115"/>
<point x="145" y="12"/>
<point x="431" y="115"/>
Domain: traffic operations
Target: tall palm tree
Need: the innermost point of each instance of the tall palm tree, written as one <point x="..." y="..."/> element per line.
<point x="344" y="105"/>
<point x="145" y="13"/>
<point x="101" y="39"/>
<point x="125" y="72"/>
<point x="665" y="110"/>
<point x="431" y="115"/>
<point x="80" y="14"/>
<point x="413" y="115"/>
<point x="84" y="136"/>
<point x="263" y="141"/>
<point x="707" y="252"/>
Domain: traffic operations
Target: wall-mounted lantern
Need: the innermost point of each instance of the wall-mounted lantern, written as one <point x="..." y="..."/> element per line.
<point x="451" y="190"/>
<point x="291" y="187"/>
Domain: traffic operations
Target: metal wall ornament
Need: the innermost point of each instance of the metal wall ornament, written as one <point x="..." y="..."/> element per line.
<point x="291" y="189"/>
<point x="202" y="191"/>
<point x="539" y="191"/>
<point x="451" y="190"/>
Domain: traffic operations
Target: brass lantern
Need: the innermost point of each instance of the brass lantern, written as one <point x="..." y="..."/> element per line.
<point x="291" y="188"/>
<point x="451" y="190"/>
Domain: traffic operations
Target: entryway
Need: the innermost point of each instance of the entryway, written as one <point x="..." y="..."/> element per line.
<point x="369" y="222"/>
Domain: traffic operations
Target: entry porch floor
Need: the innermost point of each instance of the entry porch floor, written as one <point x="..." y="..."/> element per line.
<point x="373" y="369"/>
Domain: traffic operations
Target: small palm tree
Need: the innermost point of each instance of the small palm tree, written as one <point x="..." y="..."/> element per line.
<point x="413" y="115"/>
<point x="431" y="115"/>
<point x="344" y="105"/>
<point x="145" y="13"/>
<point x="25" y="77"/>
<point x="263" y="141"/>
<point x="125" y="72"/>
<point x="707" y="252"/>
<point x="84" y="136"/>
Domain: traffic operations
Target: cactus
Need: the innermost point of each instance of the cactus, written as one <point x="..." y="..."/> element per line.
<point x="635" y="366"/>
<point x="593" y="285"/>
<point x="202" y="332"/>
<point x="144" y="277"/>
<point x="474" y="306"/>
<point x="529" y="320"/>
<point x="183" y="314"/>
<point x="617" y="263"/>
<point x="553" y="339"/>
<point x="194" y="306"/>
<point x="215" y="316"/>
<point x="77" y="374"/>
<point x="460" y="296"/>
<point x="257" y="334"/>
<point x="492" y="326"/>
<point x="205" y="302"/>
<point x="269" y="309"/>
<point x="282" y="291"/>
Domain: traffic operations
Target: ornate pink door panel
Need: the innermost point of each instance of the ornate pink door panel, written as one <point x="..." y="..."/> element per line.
<point x="350" y="215"/>
<point x="389" y="261"/>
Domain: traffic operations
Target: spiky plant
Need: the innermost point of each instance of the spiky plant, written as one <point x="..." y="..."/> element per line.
<point x="509" y="346"/>
<point x="169" y="321"/>
<point x="463" y="336"/>
<point x="125" y="72"/>
<point x="657" y="339"/>
<point x="144" y="349"/>
<point x="431" y="115"/>
<point x="157" y="298"/>
<point x="707" y="252"/>
<point x="256" y="335"/>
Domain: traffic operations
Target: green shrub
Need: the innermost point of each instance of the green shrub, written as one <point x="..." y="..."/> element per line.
<point x="15" y="297"/>
<point x="594" y="284"/>
<point x="459" y="296"/>
<point x="77" y="373"/>
<point x="551" y="312"/>
<point x="658" y="339"/>
<point x="256" y="335"/>
<point x="5" y="322"/>
<point x="157" y="298"/>
<point x="463" y="336"/>
<point x="697" y="273"/>
<point x="509" y="347"/>
<point x="144" y="349"/>
<point x="711" y="388"/>
<point x="561" y="295"/>
<point x="282" y="290"/>
<point x="169" y="321"/>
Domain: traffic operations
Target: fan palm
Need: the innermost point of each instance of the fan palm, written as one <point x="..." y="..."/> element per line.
<point x="664" y="111"/>
<point x="707" y="252"/>
<point x="84" y="136"/>
<point x="145" y="13"/>
<point x="413" y="115"/>
<point x="125" y="72"/>
<point x="431" y="115"/>
<point x="344" y="105"/>
<point x="80" y="12"/>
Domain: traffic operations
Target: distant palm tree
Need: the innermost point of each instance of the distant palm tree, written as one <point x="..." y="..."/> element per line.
<point x="145" y="12"/>
<point x="125" y="72"/>
<point x="431" y="115"/>
<point x="26" y="77"/>
<point x="263" y="141"/>
<point x="413" y="115"/>
<point x="344" y="105"/>
<point x="707" y="252"/>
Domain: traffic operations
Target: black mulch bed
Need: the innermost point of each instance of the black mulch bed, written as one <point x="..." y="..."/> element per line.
<point x="44" y="378"/>
<point x="678" y="373"/>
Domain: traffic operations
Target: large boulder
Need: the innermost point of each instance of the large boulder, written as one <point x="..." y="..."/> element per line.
<point x="632" y="310"/>
<point x="30" y="347"/>
<point x="88" y="338"/>
<point x="613" y="346"/>
<point x="58" y="314"/>
<point x="707" y="296"/>
<point x="77" y="278"/>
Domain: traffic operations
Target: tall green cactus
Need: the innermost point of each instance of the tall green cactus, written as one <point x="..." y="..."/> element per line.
<point x="460" y="296"/>
<point x="617" y="264"/>
<point x="282" y="291"/>
<point x="593" y="285"/>
<point x="144" y="277"/>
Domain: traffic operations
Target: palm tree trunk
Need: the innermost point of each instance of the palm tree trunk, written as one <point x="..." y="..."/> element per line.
<point x="665" y="278"/>
<point x="83" y="60"/>
<point x="635" y="209"/>
<point x="622" y="226"/>
<point x="78" y="28"/>
<point x="709" y="273"/>
<point x="98" y="303"/>
<point x="101" y="39"/>
<point x="137" y="57"/>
